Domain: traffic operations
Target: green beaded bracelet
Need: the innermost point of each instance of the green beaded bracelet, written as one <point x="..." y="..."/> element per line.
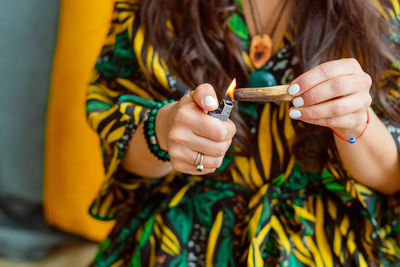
<point x="150" y="132"/>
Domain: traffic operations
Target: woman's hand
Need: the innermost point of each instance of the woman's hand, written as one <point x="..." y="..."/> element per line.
<point x="183" y="129"/>
<point x="334" y="94"/>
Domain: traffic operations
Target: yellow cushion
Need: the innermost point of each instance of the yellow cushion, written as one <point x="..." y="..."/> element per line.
<point x="73" y="167"/>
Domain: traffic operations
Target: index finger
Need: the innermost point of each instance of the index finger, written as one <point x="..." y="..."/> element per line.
<point x="322" y="73"/>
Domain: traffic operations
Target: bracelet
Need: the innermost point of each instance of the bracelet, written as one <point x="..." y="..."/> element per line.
<point x="150" y="132"/>
<point x="352" y="140"/>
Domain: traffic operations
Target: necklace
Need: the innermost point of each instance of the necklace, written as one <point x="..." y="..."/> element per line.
<point x="261" y="43"/>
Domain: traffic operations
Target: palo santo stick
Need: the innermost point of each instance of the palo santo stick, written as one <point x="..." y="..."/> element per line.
<point x="271" y="93"/>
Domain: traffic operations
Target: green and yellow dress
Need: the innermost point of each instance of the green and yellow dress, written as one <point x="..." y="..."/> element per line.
<point x="262" y="210"/>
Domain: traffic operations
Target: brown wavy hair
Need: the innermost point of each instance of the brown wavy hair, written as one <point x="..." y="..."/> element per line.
<point x="199" y="47"/>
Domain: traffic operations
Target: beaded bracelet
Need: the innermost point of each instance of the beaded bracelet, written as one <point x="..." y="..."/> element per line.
<point x="352" y="140"/>
<point x="150" y="132"/>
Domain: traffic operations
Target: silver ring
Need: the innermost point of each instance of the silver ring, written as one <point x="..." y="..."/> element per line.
<point x="199" y="162"/>
<point x="198" y="158"/>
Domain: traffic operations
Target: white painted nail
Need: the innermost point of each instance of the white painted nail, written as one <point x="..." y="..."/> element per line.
<point x="298" y="101"/>
<point x="295" y="114"/>
<point x="294" y="89"/>
<point x="210" y="101"/>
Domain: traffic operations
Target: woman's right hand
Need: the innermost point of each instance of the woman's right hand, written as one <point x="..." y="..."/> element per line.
<point x="183" y="129"/>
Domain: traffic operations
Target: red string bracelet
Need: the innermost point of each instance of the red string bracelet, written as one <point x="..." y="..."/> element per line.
<point x="352" y="140"/>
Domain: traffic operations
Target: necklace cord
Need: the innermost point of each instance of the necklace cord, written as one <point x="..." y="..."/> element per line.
<point x="279" y="18"/>
<point x="253" y="17"/>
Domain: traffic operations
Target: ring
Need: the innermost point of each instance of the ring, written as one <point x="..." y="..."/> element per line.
<point x="198" y="158"/>
<point x="199" y="162"/>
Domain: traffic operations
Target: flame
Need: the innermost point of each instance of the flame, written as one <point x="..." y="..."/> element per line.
<point x="231" y="89"/>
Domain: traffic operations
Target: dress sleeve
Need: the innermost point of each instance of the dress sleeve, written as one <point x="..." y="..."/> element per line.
<point x="391" y="82"/>
<point x="392" y="98"/>
<point x="384" y="210"/>
<point x="117" y="101"/>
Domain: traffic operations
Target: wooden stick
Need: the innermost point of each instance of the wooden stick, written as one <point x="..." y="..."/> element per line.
<point x="271" y="93"/>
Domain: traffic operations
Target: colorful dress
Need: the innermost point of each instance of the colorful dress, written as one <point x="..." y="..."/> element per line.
<point x="262" y="210"/>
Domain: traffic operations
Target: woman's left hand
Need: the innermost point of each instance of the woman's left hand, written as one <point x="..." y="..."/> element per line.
<point x="334" y="94"/>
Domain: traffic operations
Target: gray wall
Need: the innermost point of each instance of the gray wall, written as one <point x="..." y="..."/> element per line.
<point x="28" y="31"/>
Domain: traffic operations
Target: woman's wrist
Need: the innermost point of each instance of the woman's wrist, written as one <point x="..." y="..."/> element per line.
<point x="162" y="125"/>
<point x="353" y="133"/>
<point x="150" y="130"/>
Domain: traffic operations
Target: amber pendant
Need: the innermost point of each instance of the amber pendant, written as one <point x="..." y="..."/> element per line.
<point x="260" y="50"/>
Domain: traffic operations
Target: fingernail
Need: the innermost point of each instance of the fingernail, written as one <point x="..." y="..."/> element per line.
<point x="210" y="101"/>
<point x="298" y="101"/>
<point x="294" y="89"/>
<point x="295" y="114"/>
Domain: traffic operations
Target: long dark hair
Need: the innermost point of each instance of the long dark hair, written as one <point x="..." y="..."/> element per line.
<point x="202" y="48"/>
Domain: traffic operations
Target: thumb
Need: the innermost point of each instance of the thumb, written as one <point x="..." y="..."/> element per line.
<point x="204" y="96"/>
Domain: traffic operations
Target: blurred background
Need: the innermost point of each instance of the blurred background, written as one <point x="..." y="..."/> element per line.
<point x="50" y="162"/>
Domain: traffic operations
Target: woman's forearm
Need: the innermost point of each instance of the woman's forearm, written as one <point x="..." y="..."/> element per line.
<point x="374" y="159"/>
<point x="139" y="160"/>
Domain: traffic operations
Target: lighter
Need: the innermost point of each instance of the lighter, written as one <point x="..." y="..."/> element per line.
<point x="223" y="111"/>
<point x="226" y="105"/>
